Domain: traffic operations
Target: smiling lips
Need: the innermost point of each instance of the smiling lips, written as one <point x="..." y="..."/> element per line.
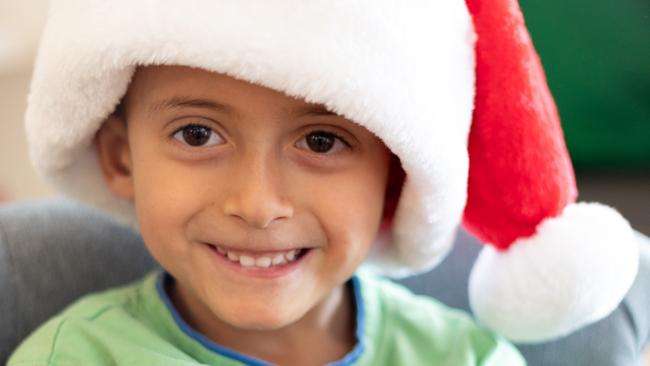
<point x="266" y="260"/>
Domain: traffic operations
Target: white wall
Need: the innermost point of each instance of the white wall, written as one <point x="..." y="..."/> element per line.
<point x="21" y="23"/>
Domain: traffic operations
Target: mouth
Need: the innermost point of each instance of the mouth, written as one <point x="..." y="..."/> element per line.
<point x="267" y="264"/>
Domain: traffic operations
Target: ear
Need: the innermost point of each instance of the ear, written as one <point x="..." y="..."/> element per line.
<point x="396" y="176"/>
<point x="112" y="144"/>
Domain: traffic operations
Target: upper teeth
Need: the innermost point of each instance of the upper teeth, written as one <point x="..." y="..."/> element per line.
<point x="263" y="262"/>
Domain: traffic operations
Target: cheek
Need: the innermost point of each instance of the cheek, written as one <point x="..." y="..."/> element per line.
<point x="164" y="204"/>
<point x="350" y="209"/>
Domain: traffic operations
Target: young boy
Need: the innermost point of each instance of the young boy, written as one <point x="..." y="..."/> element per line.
<point x="258" y="148"/>
<point x="260" y="207"/>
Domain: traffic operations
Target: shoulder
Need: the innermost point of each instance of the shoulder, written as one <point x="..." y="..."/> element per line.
<point x="89" y="331"/>
<point x="419" y="328"/>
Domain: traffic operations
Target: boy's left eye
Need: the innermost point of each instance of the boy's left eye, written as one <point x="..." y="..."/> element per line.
<point x="197" y="136"/>
<point x="322" y="142"/>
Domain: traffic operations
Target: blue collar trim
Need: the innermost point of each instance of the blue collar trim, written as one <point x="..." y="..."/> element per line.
<point x="349" y="359"/>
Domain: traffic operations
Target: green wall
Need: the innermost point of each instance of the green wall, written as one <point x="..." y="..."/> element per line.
<point x="597" y="59"/>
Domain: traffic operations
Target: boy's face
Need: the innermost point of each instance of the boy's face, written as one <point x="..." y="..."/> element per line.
<point x="216" y="164"/>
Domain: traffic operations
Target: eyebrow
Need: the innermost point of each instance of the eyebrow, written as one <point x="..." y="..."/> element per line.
<point x="314" y="110"/>
<point x="178" y="102"/>
<point x="191" y="102"/>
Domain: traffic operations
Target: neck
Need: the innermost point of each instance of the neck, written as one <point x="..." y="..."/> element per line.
<point x="324" y="334"/>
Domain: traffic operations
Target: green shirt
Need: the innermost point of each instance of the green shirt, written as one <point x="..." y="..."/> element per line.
<point x="138" y="325"/>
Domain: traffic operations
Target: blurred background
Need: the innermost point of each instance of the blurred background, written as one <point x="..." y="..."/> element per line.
<point x="596" y="55"/>
<point x="21" y="23"/>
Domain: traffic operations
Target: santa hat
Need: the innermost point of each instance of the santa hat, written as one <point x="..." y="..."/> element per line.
<point x="433" y="79"/>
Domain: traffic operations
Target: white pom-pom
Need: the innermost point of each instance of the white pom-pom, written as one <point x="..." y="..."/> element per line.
<point x="574" y="271"/>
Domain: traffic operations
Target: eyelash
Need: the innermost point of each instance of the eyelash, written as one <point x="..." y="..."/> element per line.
<point x="181" y="138"/>
<point x="336" y="136"/>
<point x="179" y="134"/>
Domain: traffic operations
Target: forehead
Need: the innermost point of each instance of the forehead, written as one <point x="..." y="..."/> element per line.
<point x="158" y="89"/>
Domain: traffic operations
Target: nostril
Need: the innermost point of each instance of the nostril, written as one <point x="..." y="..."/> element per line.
<point x="260" y="216"/>
<point x="258" y="207"/>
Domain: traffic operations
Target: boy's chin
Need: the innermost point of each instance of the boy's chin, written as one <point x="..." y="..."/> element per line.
<point x="259" y="310"/>
<point x="261" y="321"/>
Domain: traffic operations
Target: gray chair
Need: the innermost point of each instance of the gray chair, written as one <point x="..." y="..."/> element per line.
<point x="52" y="252"/>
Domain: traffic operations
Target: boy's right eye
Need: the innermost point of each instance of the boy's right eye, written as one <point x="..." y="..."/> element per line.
<point x="197" y="136"/>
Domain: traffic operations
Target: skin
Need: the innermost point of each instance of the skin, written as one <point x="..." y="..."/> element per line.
<point x="257" y="185"/>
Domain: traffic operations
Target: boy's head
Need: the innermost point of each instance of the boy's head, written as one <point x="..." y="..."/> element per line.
<point x="231" y="180"/>
<point x="453" y="88"/>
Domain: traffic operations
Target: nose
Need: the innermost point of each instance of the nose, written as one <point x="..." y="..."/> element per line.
<point x="256" y="193"/>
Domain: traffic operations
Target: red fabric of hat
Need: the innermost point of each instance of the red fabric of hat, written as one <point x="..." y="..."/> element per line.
<point x="546" y="269"/>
